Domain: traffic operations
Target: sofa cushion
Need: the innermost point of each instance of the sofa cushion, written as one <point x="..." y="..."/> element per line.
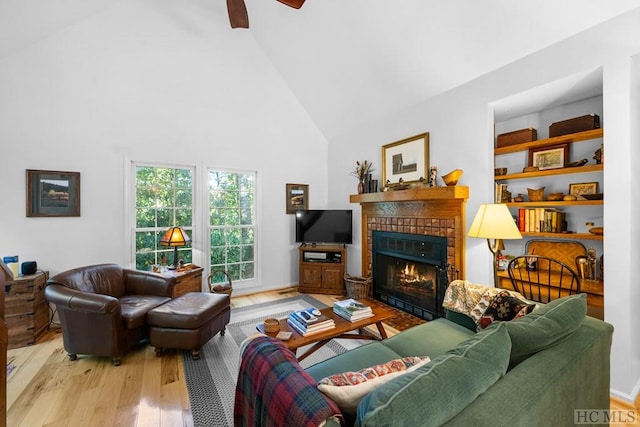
<point x="348" y="388"/>
<point x="369" y="354"/>
<point x="431" y="339"/>
<point x="434" y="393"/>
<point x="546" y="326"/>
<point x="134" y="308"/>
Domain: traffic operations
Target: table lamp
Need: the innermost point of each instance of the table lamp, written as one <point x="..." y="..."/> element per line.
<point x="494" y="221"/>
<point x="175" y="237"/>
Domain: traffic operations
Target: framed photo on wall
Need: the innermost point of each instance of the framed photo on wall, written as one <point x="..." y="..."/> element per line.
<point x="53" y="193"/>
<point x="407" y="159"/>
<point x="549" y="157"/>
<point x="297" y="196"/>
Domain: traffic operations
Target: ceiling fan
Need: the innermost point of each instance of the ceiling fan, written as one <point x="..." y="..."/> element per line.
<point x="238" y="11"/>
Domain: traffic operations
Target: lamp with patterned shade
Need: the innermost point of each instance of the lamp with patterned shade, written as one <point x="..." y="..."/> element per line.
<point x="175" y="237"/>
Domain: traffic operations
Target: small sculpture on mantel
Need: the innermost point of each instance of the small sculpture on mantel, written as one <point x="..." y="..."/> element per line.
<point x="433" y="176"/>
<point x="452" y="177"/>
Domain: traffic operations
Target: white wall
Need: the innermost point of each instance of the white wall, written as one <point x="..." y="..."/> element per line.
<point x="135" y="84"/>
<point x="461" y="133"/>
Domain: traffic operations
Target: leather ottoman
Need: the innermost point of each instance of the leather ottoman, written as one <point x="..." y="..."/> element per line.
<point x="188" y="321"/>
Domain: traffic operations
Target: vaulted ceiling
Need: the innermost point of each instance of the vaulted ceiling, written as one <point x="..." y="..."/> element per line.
<point x="349" y="62"/>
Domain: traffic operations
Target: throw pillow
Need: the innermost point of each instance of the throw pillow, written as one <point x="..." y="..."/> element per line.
<point x="348" y="388"/>
<point x="504" y="307"/>
<point x="546" y="326"/>
<point x="434" y="393"/>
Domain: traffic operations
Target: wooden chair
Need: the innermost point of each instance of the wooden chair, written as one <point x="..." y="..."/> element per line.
<point x="542" y="279"/>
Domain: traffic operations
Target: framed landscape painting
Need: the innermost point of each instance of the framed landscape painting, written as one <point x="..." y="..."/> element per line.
<point x="549" y="157"/>
<point x="53" y="193"/>
<point x="297" y="196"/>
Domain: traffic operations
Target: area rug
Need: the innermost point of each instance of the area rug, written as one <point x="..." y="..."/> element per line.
<point x="211" y="381"/>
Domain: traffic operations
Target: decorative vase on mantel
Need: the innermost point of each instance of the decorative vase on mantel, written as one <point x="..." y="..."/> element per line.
<point x="360" y="186"/>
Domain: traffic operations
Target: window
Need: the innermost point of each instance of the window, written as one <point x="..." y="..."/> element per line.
<point x="163" y="198"/>
<point x="232" y="224"/>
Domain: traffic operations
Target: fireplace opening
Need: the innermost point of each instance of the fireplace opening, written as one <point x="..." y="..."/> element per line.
<point x="410" y="272"/>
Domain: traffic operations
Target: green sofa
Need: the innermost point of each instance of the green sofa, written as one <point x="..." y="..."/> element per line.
<point x="534" y="370"/>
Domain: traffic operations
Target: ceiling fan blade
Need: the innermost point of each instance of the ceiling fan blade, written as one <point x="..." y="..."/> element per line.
<point x="237" y="14"/>
<point x="293" y="3"/>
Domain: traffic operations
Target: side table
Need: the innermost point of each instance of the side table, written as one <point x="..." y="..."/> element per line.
<point x="187" y="280"/>
<point x="25" y="308"/>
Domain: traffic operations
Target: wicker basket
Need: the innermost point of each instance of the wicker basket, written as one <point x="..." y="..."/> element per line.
<point x="218" y="288"/>
<point x="357" y="287"/>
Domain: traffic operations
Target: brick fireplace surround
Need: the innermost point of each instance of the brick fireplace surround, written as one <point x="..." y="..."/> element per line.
<point x="438" y="211"/>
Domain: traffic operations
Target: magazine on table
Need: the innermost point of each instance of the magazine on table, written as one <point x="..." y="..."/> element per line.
<point x="352" y="310"/>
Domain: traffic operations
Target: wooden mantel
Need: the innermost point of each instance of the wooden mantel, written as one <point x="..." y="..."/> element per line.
<point x="437" y="211"/>
<point x="427" y="193"/>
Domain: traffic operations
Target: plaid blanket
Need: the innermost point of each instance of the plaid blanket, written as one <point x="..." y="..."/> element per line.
<point x="273" y="390"/>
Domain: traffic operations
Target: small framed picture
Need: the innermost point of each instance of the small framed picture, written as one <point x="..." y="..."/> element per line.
<point x="407" y="159"/>
<point x="297" y="196"/>
<point x="581" y="188"/>
<point x="52" y="193"/>
<point x="553" y="157"/>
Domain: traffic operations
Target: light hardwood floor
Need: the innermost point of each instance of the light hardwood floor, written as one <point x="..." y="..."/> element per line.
<point x="44" y="388"/>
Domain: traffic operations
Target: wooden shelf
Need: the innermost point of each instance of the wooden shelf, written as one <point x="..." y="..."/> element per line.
<point x="426" y="193"/>
<point x="547" y="204"/>
<point x="573" y="236"/>
<point x="540" y="143"/>
<point x="551" y="172"/>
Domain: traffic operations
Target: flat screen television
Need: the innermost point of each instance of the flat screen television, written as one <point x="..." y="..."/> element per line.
<point x="324" y="226"/>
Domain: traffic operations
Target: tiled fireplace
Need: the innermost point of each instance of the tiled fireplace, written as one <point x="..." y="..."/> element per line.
<point x="427" y="216"/>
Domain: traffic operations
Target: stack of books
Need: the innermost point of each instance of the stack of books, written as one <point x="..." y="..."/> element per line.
<point x="308" y="321"/>
<point x="352" y="310"/>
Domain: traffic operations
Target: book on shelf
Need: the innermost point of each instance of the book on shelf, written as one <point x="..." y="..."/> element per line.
<point x="541" y="220"/>
<point x="352" y="310"/>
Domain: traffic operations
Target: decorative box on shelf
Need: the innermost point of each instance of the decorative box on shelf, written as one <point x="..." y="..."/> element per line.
<point x="516" y="137"/>
<point x="577" y="124"/>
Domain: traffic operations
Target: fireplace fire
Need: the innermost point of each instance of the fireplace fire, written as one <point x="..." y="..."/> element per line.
<point x="410" y="272"/>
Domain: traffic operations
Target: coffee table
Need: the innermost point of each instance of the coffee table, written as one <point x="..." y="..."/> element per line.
<point x="343" y="329"/>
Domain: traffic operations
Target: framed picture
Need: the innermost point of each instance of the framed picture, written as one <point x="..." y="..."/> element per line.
<point x="297" y="197"/>
<point x="407" y="159"/>
<point x="51" y="193"/>
<point x="549" y="157"/>
<point x="578" y="189"/>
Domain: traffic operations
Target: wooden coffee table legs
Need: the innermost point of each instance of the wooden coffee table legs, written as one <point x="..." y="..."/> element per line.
<point x="361" y="335"/>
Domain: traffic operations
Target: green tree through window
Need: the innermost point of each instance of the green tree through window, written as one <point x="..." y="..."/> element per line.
<point x="232" y="225"/>
<point x="164" y="197"/>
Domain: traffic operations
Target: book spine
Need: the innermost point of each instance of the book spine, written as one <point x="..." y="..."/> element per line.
<point x="295" y="327"/>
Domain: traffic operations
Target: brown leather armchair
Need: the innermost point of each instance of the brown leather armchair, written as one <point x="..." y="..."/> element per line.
<point x="103" y="308"/>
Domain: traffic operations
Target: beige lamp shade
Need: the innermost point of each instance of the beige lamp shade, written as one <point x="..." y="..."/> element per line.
<point x="494" y="221"/>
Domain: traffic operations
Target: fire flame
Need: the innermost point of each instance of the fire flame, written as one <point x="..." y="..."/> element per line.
<point x="410" y="274"/>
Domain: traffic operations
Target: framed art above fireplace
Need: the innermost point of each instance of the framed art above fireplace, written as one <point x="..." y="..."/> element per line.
<point x="406" y="160"/>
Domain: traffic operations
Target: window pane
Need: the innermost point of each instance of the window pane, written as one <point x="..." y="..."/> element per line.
<point x="232" y="222"/>
<point x="164" y="197"/>
<point x="247" y="253"/>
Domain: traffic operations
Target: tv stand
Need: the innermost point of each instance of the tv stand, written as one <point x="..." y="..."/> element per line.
<point x="322" y="269"/>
